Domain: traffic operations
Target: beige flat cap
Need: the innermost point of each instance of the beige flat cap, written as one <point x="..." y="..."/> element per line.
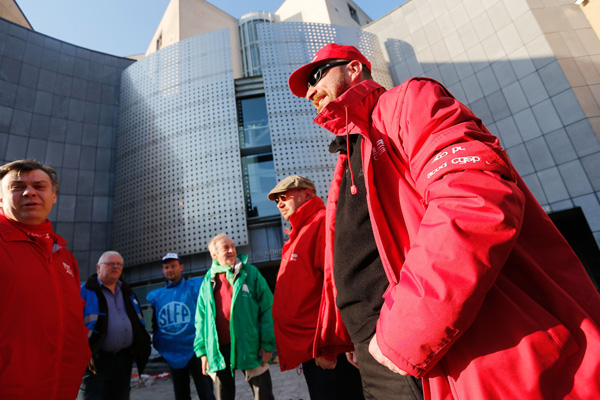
<point x="292" y="182"/>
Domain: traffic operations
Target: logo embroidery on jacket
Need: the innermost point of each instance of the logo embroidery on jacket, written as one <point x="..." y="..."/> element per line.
<point x="444" y="165"/>
<point x="464" y="160"/>
<point x="174" y="317"/>
<point x="379" y="149"/>
<point x="294" y="257"/>
<point x="68" y="269"/>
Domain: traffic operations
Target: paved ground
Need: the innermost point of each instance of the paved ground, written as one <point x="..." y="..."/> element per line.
<point x="287" y="385"/>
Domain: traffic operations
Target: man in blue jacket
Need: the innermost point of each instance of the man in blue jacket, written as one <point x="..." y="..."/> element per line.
<point x="117" y="332"/>
<point x="174" y="308"/>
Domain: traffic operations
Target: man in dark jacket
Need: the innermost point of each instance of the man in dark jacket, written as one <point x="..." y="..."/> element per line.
<point x="117" y="333"/>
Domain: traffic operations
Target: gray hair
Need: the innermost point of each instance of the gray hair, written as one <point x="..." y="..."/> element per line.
<point x="110" y="253"/>
<point x="214" y="240"/>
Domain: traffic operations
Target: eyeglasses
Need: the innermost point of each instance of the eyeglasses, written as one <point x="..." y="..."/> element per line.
<point x="281" y="197"/>
<point x="113" y="264"/>
<point x="315" y="76"/>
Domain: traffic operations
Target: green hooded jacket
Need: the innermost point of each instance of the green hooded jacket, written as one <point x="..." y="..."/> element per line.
<point x="251" y="323"/>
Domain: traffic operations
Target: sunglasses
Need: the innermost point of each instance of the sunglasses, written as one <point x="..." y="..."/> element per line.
<point x="315" y="76"/>
<point x="281" y="197"/>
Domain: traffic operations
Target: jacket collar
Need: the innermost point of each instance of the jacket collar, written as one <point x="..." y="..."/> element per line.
<point x="92" y="284"/>
<point x="11" y="233"/>
<point x="306" y="212"/>
<point x="359" y="100"/>
<point x="241" y="257"/>
<point x="179" y="282"/>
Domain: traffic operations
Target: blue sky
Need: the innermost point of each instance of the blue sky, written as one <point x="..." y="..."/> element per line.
<point x="125" y="27"/>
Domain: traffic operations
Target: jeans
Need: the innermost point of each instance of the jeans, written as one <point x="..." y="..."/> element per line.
<point x="111" y="380"/>
<point x="341" y="383"/>
<point x="181" y="381"/>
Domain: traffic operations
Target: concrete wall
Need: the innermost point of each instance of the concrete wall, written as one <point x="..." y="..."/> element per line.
<point x="59" y="105"/>
<point x="11" y="11"/>
<point x="334" y="12"/>
<point x="184" y="19"/>
<point x="576" y="46"/>
<point x="591" y="9"/>
<point x="167" y="30"/>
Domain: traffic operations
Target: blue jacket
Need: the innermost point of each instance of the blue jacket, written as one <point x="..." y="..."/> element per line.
<point x="95" y="314"/>
<point x="174" y="309"/>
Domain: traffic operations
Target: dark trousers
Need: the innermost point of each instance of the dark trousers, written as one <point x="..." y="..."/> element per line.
<point x="111" y="380"/>
<point x="181" y="381"/>
<point x="341" y="383"/>
<point x="379" y="383"/>
<point x="261" y="385"/>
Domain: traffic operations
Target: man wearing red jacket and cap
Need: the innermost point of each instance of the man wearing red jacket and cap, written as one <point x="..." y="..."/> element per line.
<point x="298" y="292"/>
<point x="43" y="341"/>
<point x="444" y="265"/>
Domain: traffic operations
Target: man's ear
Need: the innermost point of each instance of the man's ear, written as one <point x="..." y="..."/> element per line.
<point x="355" y="69"/>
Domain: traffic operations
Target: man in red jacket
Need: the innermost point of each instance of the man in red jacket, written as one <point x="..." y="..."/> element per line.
<point x="298" y="294"/>
<point x="440" y="260"/>
<point x="43" y="341"/>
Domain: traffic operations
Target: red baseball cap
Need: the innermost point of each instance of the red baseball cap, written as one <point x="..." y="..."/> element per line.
<point x="299" y="78"/>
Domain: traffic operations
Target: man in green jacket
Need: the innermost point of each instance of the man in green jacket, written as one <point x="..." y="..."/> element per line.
<point x="234" y="326"/>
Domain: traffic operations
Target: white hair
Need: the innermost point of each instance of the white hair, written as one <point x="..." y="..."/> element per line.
<point x="110" y="253"/>
<point x="214" y="240"/>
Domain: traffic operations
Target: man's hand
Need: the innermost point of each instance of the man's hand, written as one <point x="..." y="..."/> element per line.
<point x="266" y="356"/>
<point x="351" y="357"/>
<point x="381" y="359"/>
<point x="204" y="365"/>
<point x="325" y="363"/>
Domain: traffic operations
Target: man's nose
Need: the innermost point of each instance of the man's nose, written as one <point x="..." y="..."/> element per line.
<point x="29" y="191"/>
<point x="310" y="93"/>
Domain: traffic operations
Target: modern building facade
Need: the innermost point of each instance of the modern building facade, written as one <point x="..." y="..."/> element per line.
<point x="59" y="104"/>
<point x="159" y="155"/>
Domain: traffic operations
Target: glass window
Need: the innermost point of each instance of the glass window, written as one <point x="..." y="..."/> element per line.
<point x="353" y="13"/>
<point x="253" y="122"/>
<point x="259" y="178"/>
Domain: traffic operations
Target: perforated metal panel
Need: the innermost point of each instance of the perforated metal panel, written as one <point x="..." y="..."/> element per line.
<point x="299" y="145"/>
<point x="179" y="179"/>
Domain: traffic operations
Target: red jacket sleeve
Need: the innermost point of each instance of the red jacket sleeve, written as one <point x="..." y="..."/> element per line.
<point x="473" y="216"/>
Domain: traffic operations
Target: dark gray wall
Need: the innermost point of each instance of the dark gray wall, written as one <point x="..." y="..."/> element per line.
<point x="59" y="105"/>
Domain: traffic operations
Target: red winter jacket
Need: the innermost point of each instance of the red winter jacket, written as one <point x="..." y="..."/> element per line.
<point x="486" y="299"/>
<point x="43" y="342"/>
<point x="299" y="285"/>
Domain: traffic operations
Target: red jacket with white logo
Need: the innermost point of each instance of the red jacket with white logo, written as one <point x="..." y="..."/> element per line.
<point x="485" y="299"/>
<point x="299" y="285"/>
<point x="43" y="341"/>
